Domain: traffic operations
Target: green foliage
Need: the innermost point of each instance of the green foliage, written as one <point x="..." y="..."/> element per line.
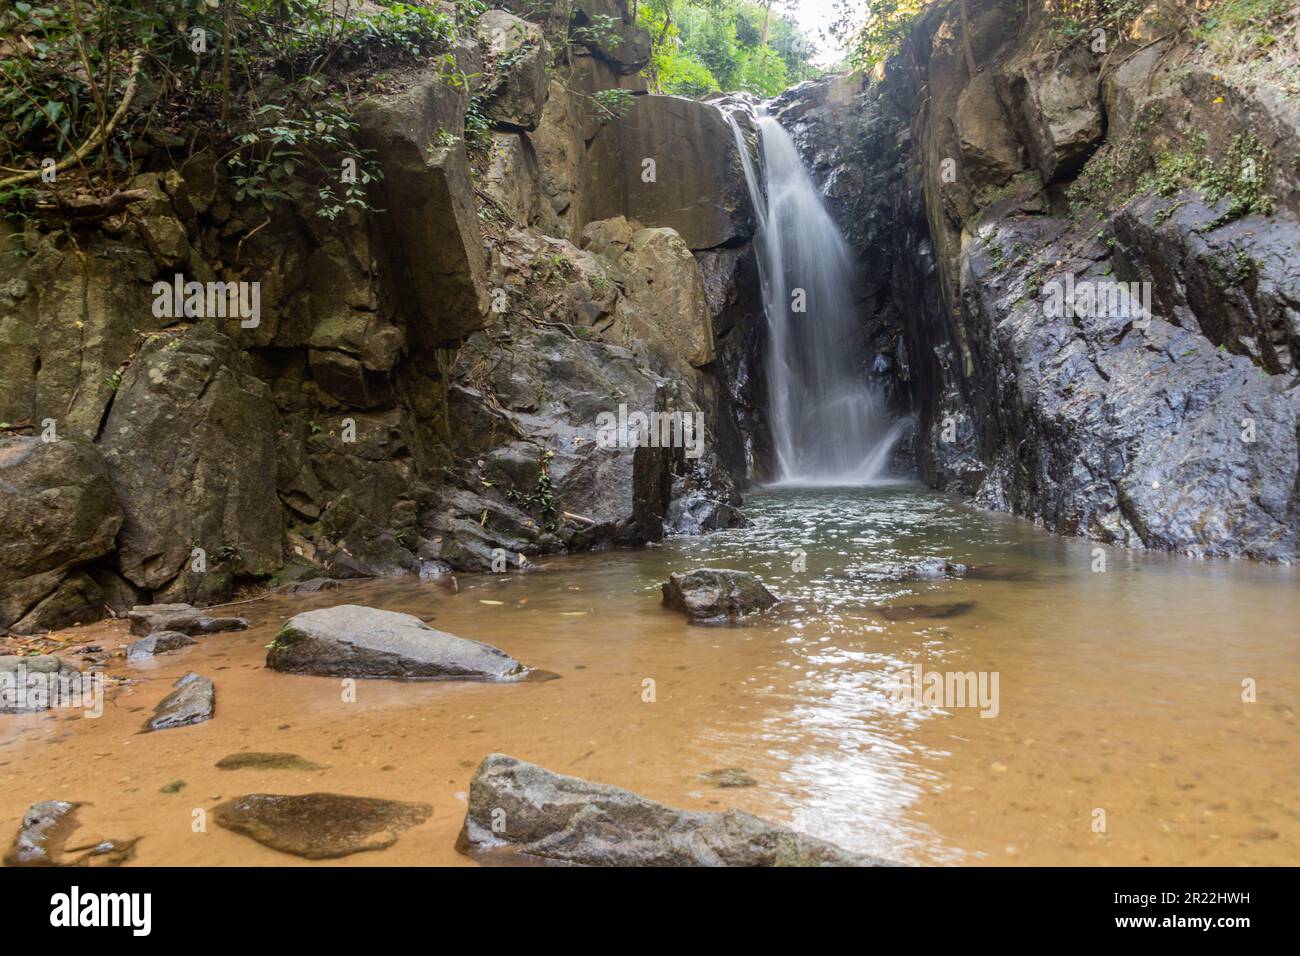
<point x="886" y="24"/>
<point x="542" y="498"/>
<point x="254" y="77"/>
<point x="1242" y="28"/>
<point x="706" y="46"/>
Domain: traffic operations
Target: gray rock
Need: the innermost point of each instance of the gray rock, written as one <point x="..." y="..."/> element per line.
<point x="354" y="641"/>
<point x="149" y="618"/>
<point x="716" y="594"/>
<point x="695" y="513"/>
<point x="320" y="826"/>
<point x="36" y="683"/>
<point x="520" y="810"/>
<point x="516" y="58"/>
<point x="45" y="828"/>
<point x="190" y="442"/>
<point x="57" y="510"/>
<point x="310" y="586"/>
<point x="157" y="643"/>
<point x="192" y="702"/>
<point x="728" y="777"/>
<point x="43" y="836"/>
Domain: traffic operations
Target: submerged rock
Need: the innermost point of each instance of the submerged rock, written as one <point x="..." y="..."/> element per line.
<point x="320" y="826"/>
<point x="43" y="836"/>
<point x="148" y="618"/>
<point x="914" y="612"/>
<point x="192" y="702"/>
<point x="728" y="777"/>
<point x="716" y="594"/>
<point x="354" y="641"/>
<point x="518" y="808"/>
<point x="158" y="642"/>
<point x="311" y="586"/>
<point x="254" y="760"/>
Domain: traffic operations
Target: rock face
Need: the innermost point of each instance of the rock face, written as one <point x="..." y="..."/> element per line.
<point x="320" y="826"/>
<point x="186" y="410"/>
<point x="429" y="207"/>
<point x="517" y="49"/>
<point x="695" y="185"/>
<point x="192" y="702"/>
<point x="1136" y="414"/>
<point x="58" y="510"/>
<point x="516" y="807"/>
<point x="711" y="595"/>
<point x="354" y="641"/>
<point x="182" y="618"/>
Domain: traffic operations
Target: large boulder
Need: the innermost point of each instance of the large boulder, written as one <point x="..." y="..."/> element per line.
<point x="696" y="183"/>
<point x="515" y="57"/>
<point x="666" y="302"/>
<point x="609" y="29"/>
<point x="191" y="448"/>
<point x="58" y="510"/>
<point x="518" y="809"/>
<point x="711" y="595"/>
<point x="433" y="248"/>
<point x="354" y="641"/>
<point x="1060" y="98"/>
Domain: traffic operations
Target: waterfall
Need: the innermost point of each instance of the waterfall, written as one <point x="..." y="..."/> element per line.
<point x="829" y="424"/>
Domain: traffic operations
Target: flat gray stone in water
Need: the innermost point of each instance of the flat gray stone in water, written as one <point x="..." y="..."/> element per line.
<point x="192" y="702"/>
<point x="320" y="826"/>
<point x="547" y="816"/>
<point x="715" y="595"/>
<point x="354" y="641"/>
<point x="148" y="618"/>
<point x="728" y="777"/>
<point x="37" y="682"/>
<point x="254" y="760"/>
<point x="157" y="643"/>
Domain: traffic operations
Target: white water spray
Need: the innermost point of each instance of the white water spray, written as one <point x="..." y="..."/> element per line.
<point x="829" y="425"/>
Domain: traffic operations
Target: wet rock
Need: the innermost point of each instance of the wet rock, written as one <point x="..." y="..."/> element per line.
<point x="149" y="618"/>
<point x="927" y="569"/>
<point x="192" y="702"/>
<point x="253" y="760"/>
<point x="176" y="786"/>
<point x="157" y="643"/>
<point x="354" y="641"/>
<point x="190" y="442"/>
<point x="515" y="57"/>
<point x="728" y="777"/>
<point x="45" y="831"/>
<point x="716" y="594"/>
<point x="320" y="826"/>
<point x="696" y="513"/>
<point x="921" y="612"/>
<point x="540" y="814"/>
<point x="58" y="510"/>
<point x="36" y="683"/>
<point x="310" y="586"/>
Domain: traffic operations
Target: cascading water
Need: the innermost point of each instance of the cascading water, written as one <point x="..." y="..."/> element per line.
<point x="829" y="425"/>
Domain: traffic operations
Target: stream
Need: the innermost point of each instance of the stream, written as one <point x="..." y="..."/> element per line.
<point x="1118" y="690"/>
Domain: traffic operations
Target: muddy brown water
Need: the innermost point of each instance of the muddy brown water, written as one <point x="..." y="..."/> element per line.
<point x="1119" y="691"/>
